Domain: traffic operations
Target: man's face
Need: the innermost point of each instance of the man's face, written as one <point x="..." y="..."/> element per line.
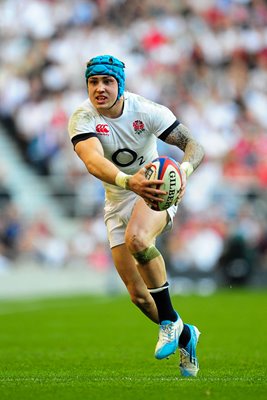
<point x="103" y="91"/>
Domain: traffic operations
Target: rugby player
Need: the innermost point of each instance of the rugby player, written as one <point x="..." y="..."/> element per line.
<point x="115" y="133"/>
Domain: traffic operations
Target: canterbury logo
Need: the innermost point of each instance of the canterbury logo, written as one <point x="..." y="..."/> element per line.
<point x="102" y="128"/>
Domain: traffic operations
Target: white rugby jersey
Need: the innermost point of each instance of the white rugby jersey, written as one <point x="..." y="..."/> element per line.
<point x="128" y="141"/>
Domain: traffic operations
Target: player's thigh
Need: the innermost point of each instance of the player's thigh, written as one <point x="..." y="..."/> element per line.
<point x="146" y="223"/>
<point x="127" y="269"/>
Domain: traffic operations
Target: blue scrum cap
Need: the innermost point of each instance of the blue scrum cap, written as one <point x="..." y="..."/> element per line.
<point x="107" y="65"/>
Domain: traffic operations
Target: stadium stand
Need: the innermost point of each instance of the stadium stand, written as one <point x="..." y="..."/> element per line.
<point x="205" y="60"/>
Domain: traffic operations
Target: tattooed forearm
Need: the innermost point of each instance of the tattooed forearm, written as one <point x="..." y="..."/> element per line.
<point x="181" y="137"/>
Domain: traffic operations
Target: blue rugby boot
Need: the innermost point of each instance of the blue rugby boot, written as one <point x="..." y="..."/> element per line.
<point x="188" y="359"/>
<point x="168" y="341"/>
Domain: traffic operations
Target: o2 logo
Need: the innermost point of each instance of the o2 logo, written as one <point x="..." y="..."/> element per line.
<point x="125" y="157"/>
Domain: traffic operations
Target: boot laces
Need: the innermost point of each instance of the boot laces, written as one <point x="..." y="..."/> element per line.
<point x="167" y="332"/>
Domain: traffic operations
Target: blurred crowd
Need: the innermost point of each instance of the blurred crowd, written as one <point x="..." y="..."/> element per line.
<point x="205" y="60"/>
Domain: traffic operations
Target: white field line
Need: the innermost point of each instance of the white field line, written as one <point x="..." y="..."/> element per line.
<point x="127" y="378"/>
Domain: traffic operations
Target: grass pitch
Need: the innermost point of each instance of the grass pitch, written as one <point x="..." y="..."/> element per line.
<point x="102" y="348"/>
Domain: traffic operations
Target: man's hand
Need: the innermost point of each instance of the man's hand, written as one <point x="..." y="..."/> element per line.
<point x="149" y="190"/>
<point x="183" y="186"/>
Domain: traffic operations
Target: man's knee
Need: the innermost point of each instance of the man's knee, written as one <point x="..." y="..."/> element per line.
<point x="142" y="251"/>
<point x="146" y="255"/>
<point x="135" y="241"/>
<point x="140" y="300"/>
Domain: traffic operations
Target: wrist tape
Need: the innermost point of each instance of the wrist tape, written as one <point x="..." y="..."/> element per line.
<point x="188" y="168"/>
<point x="122" y="180"/>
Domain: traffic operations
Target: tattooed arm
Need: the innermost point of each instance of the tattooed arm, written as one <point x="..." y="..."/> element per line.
<point x="193" y="151"/>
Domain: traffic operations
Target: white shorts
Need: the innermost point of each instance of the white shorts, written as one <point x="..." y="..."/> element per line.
<point x="118" y="213"/>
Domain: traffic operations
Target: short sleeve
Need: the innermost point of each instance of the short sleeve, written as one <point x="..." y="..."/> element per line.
<point x="81" y="122"/>
<point x="161" y="119"/>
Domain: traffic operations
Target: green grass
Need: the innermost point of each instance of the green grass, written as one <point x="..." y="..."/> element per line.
<point x="102" y="348"/>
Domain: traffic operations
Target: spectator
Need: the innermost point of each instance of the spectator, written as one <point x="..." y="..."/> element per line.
<point x="217" y="62"/>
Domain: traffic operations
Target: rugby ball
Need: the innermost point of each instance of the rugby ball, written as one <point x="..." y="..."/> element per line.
<point x="167" y="170"/>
